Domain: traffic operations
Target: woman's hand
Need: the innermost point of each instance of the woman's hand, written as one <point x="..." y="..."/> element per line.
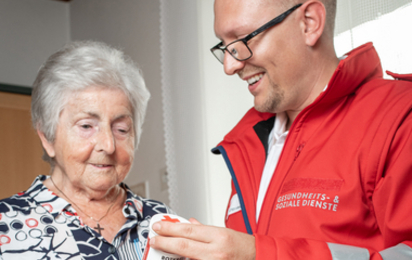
<point x="202" y="242"/>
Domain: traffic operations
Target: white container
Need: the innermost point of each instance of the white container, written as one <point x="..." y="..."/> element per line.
<point x="153" y="254"/>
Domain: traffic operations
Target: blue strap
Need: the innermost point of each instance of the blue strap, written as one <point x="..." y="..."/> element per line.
<point x="235" y="182"/>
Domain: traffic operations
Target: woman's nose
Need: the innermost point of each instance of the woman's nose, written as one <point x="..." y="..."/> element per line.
<point x="105" y="141"/>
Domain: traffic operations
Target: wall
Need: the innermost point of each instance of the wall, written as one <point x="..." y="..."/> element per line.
<point x="30" y="31"/>
<point x="183" y="111"/>
<point x="385" y="23"/>
<point x="352" y="13"/>
<point x="226" y="100"/>
<point x="134" y="27"/>
<point x="202" y="105"/>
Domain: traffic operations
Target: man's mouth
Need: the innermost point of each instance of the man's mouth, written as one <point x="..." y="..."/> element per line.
<point x="254" y="79"/>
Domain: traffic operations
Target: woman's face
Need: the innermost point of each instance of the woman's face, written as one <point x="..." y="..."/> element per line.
<point x="94" y="144"/>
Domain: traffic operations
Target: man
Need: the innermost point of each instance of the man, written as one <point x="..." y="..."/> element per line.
<point x="321" y="165"/>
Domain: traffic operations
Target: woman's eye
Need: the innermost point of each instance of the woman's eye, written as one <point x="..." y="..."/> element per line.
<point x="123" y="130"/>
<point x="86" y="126"/>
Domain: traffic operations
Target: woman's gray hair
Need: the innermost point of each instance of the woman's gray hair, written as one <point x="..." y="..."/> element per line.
<point x="80" y="65"/>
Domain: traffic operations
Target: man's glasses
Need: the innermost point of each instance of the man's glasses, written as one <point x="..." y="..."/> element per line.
<point x="239" y="49"/>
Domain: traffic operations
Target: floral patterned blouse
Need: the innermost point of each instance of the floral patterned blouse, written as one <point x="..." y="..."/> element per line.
<point x="37" y="224"/>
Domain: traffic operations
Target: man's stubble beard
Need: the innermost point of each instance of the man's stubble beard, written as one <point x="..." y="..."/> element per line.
<point x="272" y="100"/>
<point x="275" y="94"/>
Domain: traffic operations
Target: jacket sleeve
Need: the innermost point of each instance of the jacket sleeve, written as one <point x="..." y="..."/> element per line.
<point x="393" y="195"/>
<point x="392" y="208"/>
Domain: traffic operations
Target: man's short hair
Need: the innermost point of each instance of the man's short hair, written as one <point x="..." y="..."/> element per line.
<point x="330" y="6"/>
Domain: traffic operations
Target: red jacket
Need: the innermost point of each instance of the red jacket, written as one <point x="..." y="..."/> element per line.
<point x="342" y="188"/>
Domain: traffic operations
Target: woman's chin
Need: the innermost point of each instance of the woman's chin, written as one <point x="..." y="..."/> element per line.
<point x="101" y="185"/>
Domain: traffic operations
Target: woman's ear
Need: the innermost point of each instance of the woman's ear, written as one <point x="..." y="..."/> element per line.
<point x="48" y="147"/>
<point x="314" y="21"/>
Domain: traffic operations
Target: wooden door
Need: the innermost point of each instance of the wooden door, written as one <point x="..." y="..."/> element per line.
<point x="20" y="147"/>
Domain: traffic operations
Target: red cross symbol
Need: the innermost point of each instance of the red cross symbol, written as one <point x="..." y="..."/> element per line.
<point x="169" y="219"/>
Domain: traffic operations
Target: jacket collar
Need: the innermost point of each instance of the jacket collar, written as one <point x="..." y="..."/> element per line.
<point x="360" y="65"/>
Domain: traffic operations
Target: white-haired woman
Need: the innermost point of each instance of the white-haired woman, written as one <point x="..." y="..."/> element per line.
<point x="88" y="106"/>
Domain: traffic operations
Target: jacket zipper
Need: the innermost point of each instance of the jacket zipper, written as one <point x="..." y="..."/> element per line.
<point x="222" y="151"/>
<point x="298" y="150"/>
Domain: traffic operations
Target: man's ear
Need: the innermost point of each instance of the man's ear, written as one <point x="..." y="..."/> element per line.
<point x="48" y="147"/>
<point x="314" y="21"/>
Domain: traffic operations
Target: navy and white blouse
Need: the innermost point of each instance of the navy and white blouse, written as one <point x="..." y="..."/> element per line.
<point x="37" y="224"/>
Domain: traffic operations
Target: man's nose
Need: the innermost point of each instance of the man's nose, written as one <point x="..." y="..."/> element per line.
<point x="232" y="65"/>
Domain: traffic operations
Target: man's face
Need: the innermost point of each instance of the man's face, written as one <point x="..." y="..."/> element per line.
<point x="274" y="73"/>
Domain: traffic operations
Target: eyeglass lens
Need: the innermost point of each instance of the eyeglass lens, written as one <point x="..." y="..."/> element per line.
<point x="237" y="49"/>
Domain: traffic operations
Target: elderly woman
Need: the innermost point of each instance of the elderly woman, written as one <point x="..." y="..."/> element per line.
<point x="88" y="106"/>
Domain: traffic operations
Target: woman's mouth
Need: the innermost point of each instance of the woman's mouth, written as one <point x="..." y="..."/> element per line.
<point x="101" y="165"/>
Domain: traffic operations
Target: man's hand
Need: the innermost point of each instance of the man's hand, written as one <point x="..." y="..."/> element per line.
<point x="198" y="241"/>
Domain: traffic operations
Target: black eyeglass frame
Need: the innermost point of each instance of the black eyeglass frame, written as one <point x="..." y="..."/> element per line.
<point x="271" y="23"/>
